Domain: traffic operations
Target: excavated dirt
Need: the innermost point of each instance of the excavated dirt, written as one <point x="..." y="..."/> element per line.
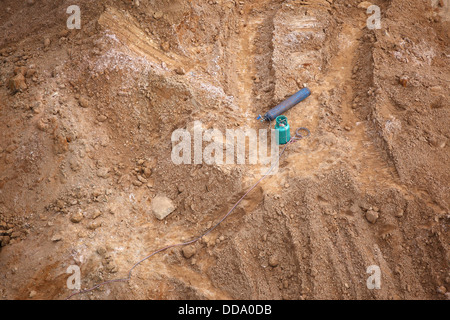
<point x="86" y="118"/>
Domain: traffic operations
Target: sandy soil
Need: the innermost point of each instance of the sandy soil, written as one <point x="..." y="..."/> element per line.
<point x="86" y="118"/>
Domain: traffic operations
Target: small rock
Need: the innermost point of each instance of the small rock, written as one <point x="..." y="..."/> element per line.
<point x="151" y="183"/>
<point x="101" y="251"/>
<point x="32" y="294"/>
<point x="47" y="42"/>
<point x="436" y="89"/>
<point x="137" y="183"/>
<point x="56" y="238"/>
<point x="188" y="251"/>
<point x="20" y="70"/>
<point x="158" y="15"/>
<point x="439" y="102"/>
<point x="442" y="290"/>
<point x="97" y="213"/>
<point x="15" y="234"/>
<point x="4" y="240"/>
<point x="75" y="165"/>
<point x="273" y="261"/>
<point x="147" y="172"/>
<point x="399" y="213"/>
<point x="17" y="83"/>
<point x="403" y="81"/>
<point x="180" y="71"/>
<point x="76" y="217"/>
<point x="101" y="118"/>
<point x="165" y="46"/>
<point x="111" y="267"/>
<point x="94" y="225"/>
<point x="142" y="179"/>
<point x="162" y="207"/>
<point x="103" y="173"/>
<point x="84" y="103"/>
<point x="64" y="33"/>
<point x="30" y="73"/>
<point x="372" y="216"/>
<point x="11" y="148"/>
<point x="355" y="209"/>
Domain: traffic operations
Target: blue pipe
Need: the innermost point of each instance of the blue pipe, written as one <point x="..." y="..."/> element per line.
<point x="286" y="104"/>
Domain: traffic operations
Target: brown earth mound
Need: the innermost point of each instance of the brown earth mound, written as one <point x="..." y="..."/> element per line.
<point x="86" y="119"/>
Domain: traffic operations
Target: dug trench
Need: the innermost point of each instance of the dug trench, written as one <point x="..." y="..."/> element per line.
<point x="86" y="147"/>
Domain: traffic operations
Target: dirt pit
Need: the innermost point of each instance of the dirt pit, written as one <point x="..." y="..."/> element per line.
<point x="87" y="116"/>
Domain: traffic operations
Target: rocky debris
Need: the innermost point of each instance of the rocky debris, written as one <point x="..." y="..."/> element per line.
<point x="94" y="225"/>
<point x="101" y="251"/>
<point x="180" y="71"/>
<point x="355" y="209"/>
<point x="56" y="238"/>
<point x="20" y="70"/>
<point x="111" y="267"/>
<point x="102" y="118"/>
<point x="95" y="214"/>
<point x="137" y="183"/>
<point x="439" y="102"/>
<point x="103" y="173"/>
<point x="165" y="46"/>
<point x="162" y="206"/>
<point x="273" y="261"/>
<point x="189" y="251"/>
<point x="142" y="171"/>
<point x="47" y="42"/>
<point x="64" y="33"/>
<point x="174" y="101"/>
<point x="151" y="183"/>
<point x="4" y="240"/>
<point x="158" y="15"/>
<point x="147" y="172"/>
<point x="32" y="294"/>
<point x="83" y="102"/>
<point x="17" y="83"/>
<point x="76" y="217"/>
<point x="372" y="216"/>
<point x="74" y="164"/>
<point x="403" y="80"/>
<point x="441" y="290"/>
<point x="399" y="213"/>
<point x="107" y="260"/>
